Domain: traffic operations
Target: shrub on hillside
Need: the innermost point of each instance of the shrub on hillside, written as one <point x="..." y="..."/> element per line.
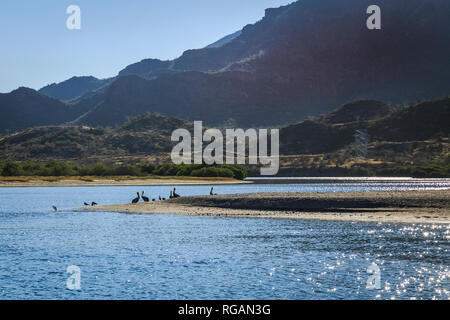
<point x="212" y="172"/>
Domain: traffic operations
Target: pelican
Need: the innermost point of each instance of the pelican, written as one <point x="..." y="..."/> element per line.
<point x="86" y="204"/>
<point x="55" y="208"/>
<point x="144" y="197"/>
<point x="211" y="192"/>
<point x="135" y="200"/>
<point x="159" y="197"/>
<point x="93" y="203"/>
<point x="171" y="195"/>
<point x="175" y="195"/>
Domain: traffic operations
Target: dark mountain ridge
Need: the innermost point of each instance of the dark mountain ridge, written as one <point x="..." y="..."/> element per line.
<point x="296" y="62"/>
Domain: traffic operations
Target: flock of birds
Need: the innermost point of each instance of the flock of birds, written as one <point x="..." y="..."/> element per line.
<point x="173" y="194"/>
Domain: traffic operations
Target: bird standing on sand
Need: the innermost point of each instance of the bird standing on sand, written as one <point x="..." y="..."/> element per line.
<point x="211" y="192"/>
<point x="171" y="195"/>
<point x="175" y="195"/>
<point x="144" y="197"/>
<point x="159" y="197"/>
<point x="55" y="208"/>
<point x="93" y="203"/>
<point x="135" y="200"/>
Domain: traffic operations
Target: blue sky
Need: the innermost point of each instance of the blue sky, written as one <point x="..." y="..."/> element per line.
<point x="37" y="48"/>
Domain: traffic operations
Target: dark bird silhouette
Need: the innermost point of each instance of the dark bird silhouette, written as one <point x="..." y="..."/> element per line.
<point x="144" y="197"/>
<point x="153" y="199"/>
<point x="55" y="208"/>
<point x="211" y="192"/>
<point x="94" y="203"/>
<point x="175" y="195"/>
<point x="135" y="200"/>
<point x="171" y="195"/>
<point x="86" y="204"/>
<point x="159" y="197"/>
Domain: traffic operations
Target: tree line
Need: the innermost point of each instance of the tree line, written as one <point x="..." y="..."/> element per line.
<point x="62" y="168"/>
<point x="437" y="169"/>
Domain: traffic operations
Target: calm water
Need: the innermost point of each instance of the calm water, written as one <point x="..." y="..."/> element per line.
<point x="180" y="257"/>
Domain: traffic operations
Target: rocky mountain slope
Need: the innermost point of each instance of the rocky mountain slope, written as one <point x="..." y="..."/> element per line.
<point x="145" y="135"/>
<point x="413" y="123"/>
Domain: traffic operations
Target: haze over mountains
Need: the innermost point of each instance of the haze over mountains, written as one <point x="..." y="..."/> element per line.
<point x="74" y="87"/>
<point x="300" y="60"/>
<point x="23" y="108"/>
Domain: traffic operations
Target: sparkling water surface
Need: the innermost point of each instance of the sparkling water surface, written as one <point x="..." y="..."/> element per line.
<point x="130" y="256"/>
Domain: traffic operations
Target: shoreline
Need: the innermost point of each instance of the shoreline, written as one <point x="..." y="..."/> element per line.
<point x="432" y="206"/>
<point x="343" y="180"/>
<point x="119" y="182"/>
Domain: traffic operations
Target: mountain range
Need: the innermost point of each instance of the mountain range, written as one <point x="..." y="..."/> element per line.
<point x="299" y="60"/>
<point x="415" y="133"/>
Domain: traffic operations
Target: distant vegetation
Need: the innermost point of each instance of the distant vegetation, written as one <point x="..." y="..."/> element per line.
<point x="439" y="169"/>
<point x="324" y="168"/>
<point x="61" y="168"/>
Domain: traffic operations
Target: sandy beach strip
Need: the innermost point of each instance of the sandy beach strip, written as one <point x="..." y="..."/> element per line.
<point x="119" y="182"/>
<point x="380" y="206"/>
